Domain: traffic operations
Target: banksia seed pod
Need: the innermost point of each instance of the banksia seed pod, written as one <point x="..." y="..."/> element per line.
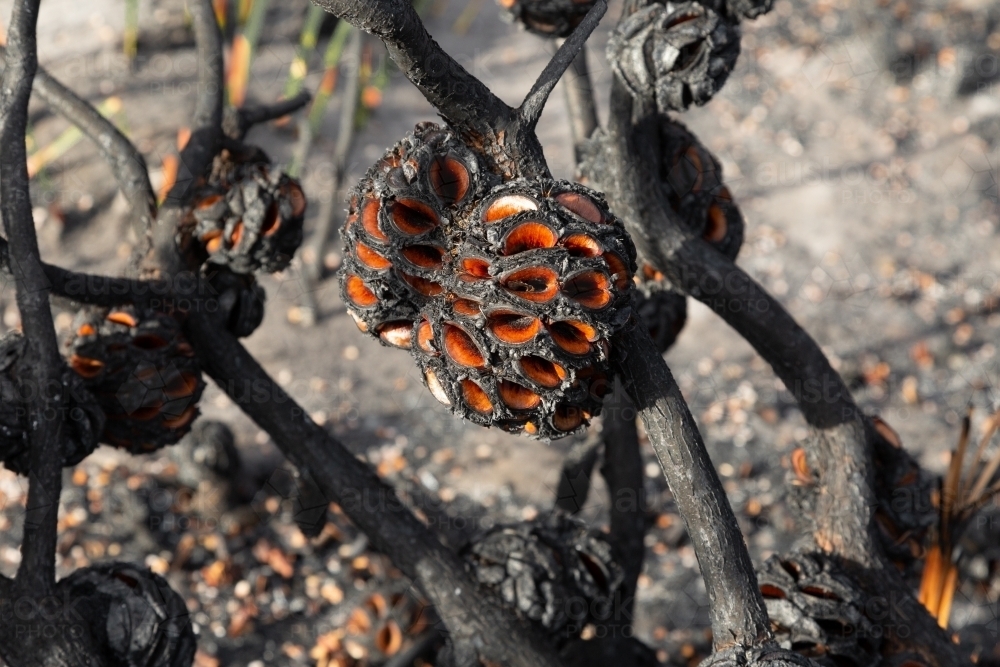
<point x="83" y="419"/>
<point x="143" y="374"/>
<point x="547" y="18"/>
<point x="676" y="53"/>
<point x="662" y="310"/>
<point x="384" y="622"/>
<point x="248" y="217"/>
<point x="506" y="294"/>
<point x="552" y="570"/>
<point x="818" y="611"/>
<point x="695" y="189"/>
<point x="133" y="616"/>
<point x="240" y="300"/>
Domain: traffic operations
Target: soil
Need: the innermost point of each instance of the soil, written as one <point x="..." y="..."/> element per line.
<point x="862" y="142"/>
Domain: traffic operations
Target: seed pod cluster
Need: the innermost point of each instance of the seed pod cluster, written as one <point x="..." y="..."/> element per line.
<point x="83" y="419"/>
<point x="506" y="293"/>
<point x="132" y="615"/>
<point x="674" y="53"/>
<point x="551" y="570"/>
<point x="143" y="374"/>
<point x="248" y="217"/>
<point x="818" y="611"/>
<point x="696" y="191"/>
<point x="383" y="622"/>
<point x="547" y="18"/>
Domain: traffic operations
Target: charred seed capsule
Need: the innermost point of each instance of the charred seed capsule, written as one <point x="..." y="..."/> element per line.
<point x="143" y="374"/>
<point x="818" y="611"/>
<point x="239" y="298"/>
<point x="696" y="191"/>
<point x="676" y="53"/>
<point x="133" y="617"/>
<point x="248" y="217"/>
<point x="546" y="569"/>
<point x="507" y="294"/>
<point x="662" y="309"/>
<point x="83" y="419"/>
<point x="547" y="18"/>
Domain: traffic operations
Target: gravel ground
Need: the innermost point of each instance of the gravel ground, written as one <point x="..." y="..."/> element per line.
<point x="862" y="141"/>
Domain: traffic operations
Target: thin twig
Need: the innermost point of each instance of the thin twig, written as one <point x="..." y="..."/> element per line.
<point x="574" y="478"/>
<point x="580" y="102"/>
<point x="237" y="122"/>
<point x="40" y="375"/>
<point x="531" y="108"/>
<point x="737" y="607"/>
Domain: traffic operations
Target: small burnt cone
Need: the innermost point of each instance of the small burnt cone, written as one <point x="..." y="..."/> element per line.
<point x="133" y="616"/>
<point x="547" y="18"/>
<point x="662" y="309"/>
<point x="142" y="373"/>
<point x="696" y="191"/>
<point x="552" y="571"/>
<point x="676" y="53"/>
<point x="817" y="611"/>
<point x="240" y="298"/>
<point x="83" y="419"/>
<point x="506" y="295"/>
<point x="905" y="511"/>
<point x="249" y="216"/>
<point x="384" y="621"/>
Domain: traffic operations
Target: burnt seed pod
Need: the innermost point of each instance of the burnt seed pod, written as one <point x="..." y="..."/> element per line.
<point x="674" y="53"/>
<point x="240" y="299"/>
<point x="662" y="310"/>
<point x="248" y="217"/>
<point x="818" y="611"/>
<point x="696" y="191"/>
<point x="506" y="294"/>
<point x="143" y="374"/>
<point x="133" y="616"/>
<point x="547" y="18"/>
<point x="83" y="419"/>
<point x="553" y="571"/>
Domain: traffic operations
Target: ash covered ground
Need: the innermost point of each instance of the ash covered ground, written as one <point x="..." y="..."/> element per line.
<point x="862" y="142"/>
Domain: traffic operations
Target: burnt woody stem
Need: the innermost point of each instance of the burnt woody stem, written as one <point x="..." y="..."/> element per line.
<point x="579" y="93"/>
<point x="506" y="136"/>
<point x="632" y="185"/>
<point x="40" y="371"/>
<point x="472" y="616"/>
<point x="737" y="607"/>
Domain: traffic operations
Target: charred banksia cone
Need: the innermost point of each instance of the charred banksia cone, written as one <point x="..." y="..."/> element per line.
<point x="143" y="374"/>
<point x="83" y="419"/>
<point x="240" y="300"/>
<point x="552" y="571"/>
<point x="818" y="611"/>
<point x="506" y="293"/>
<point x="674" y="53"/>
<point x="248" y="217"/>
<point x="548" y="18"/>
<point x="133" y="616"/>
<point x="696" y="191"/>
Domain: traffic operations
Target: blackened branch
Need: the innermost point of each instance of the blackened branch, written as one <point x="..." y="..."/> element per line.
<point x="580" y="102"/>
<point x="531" y="108"/>
<point x="471" y="615"/>
<point x="206" y="132"/>
<point x="41" y="367"/>
<point x="236" y="122"/>
<point x="737" y="607"/>
<point x="127" y="163"/>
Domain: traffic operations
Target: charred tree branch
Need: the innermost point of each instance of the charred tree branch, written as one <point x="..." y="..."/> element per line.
<point x="737" y="607"/>
<point x="40" y="373"/>
<point x="236" y="122"/>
